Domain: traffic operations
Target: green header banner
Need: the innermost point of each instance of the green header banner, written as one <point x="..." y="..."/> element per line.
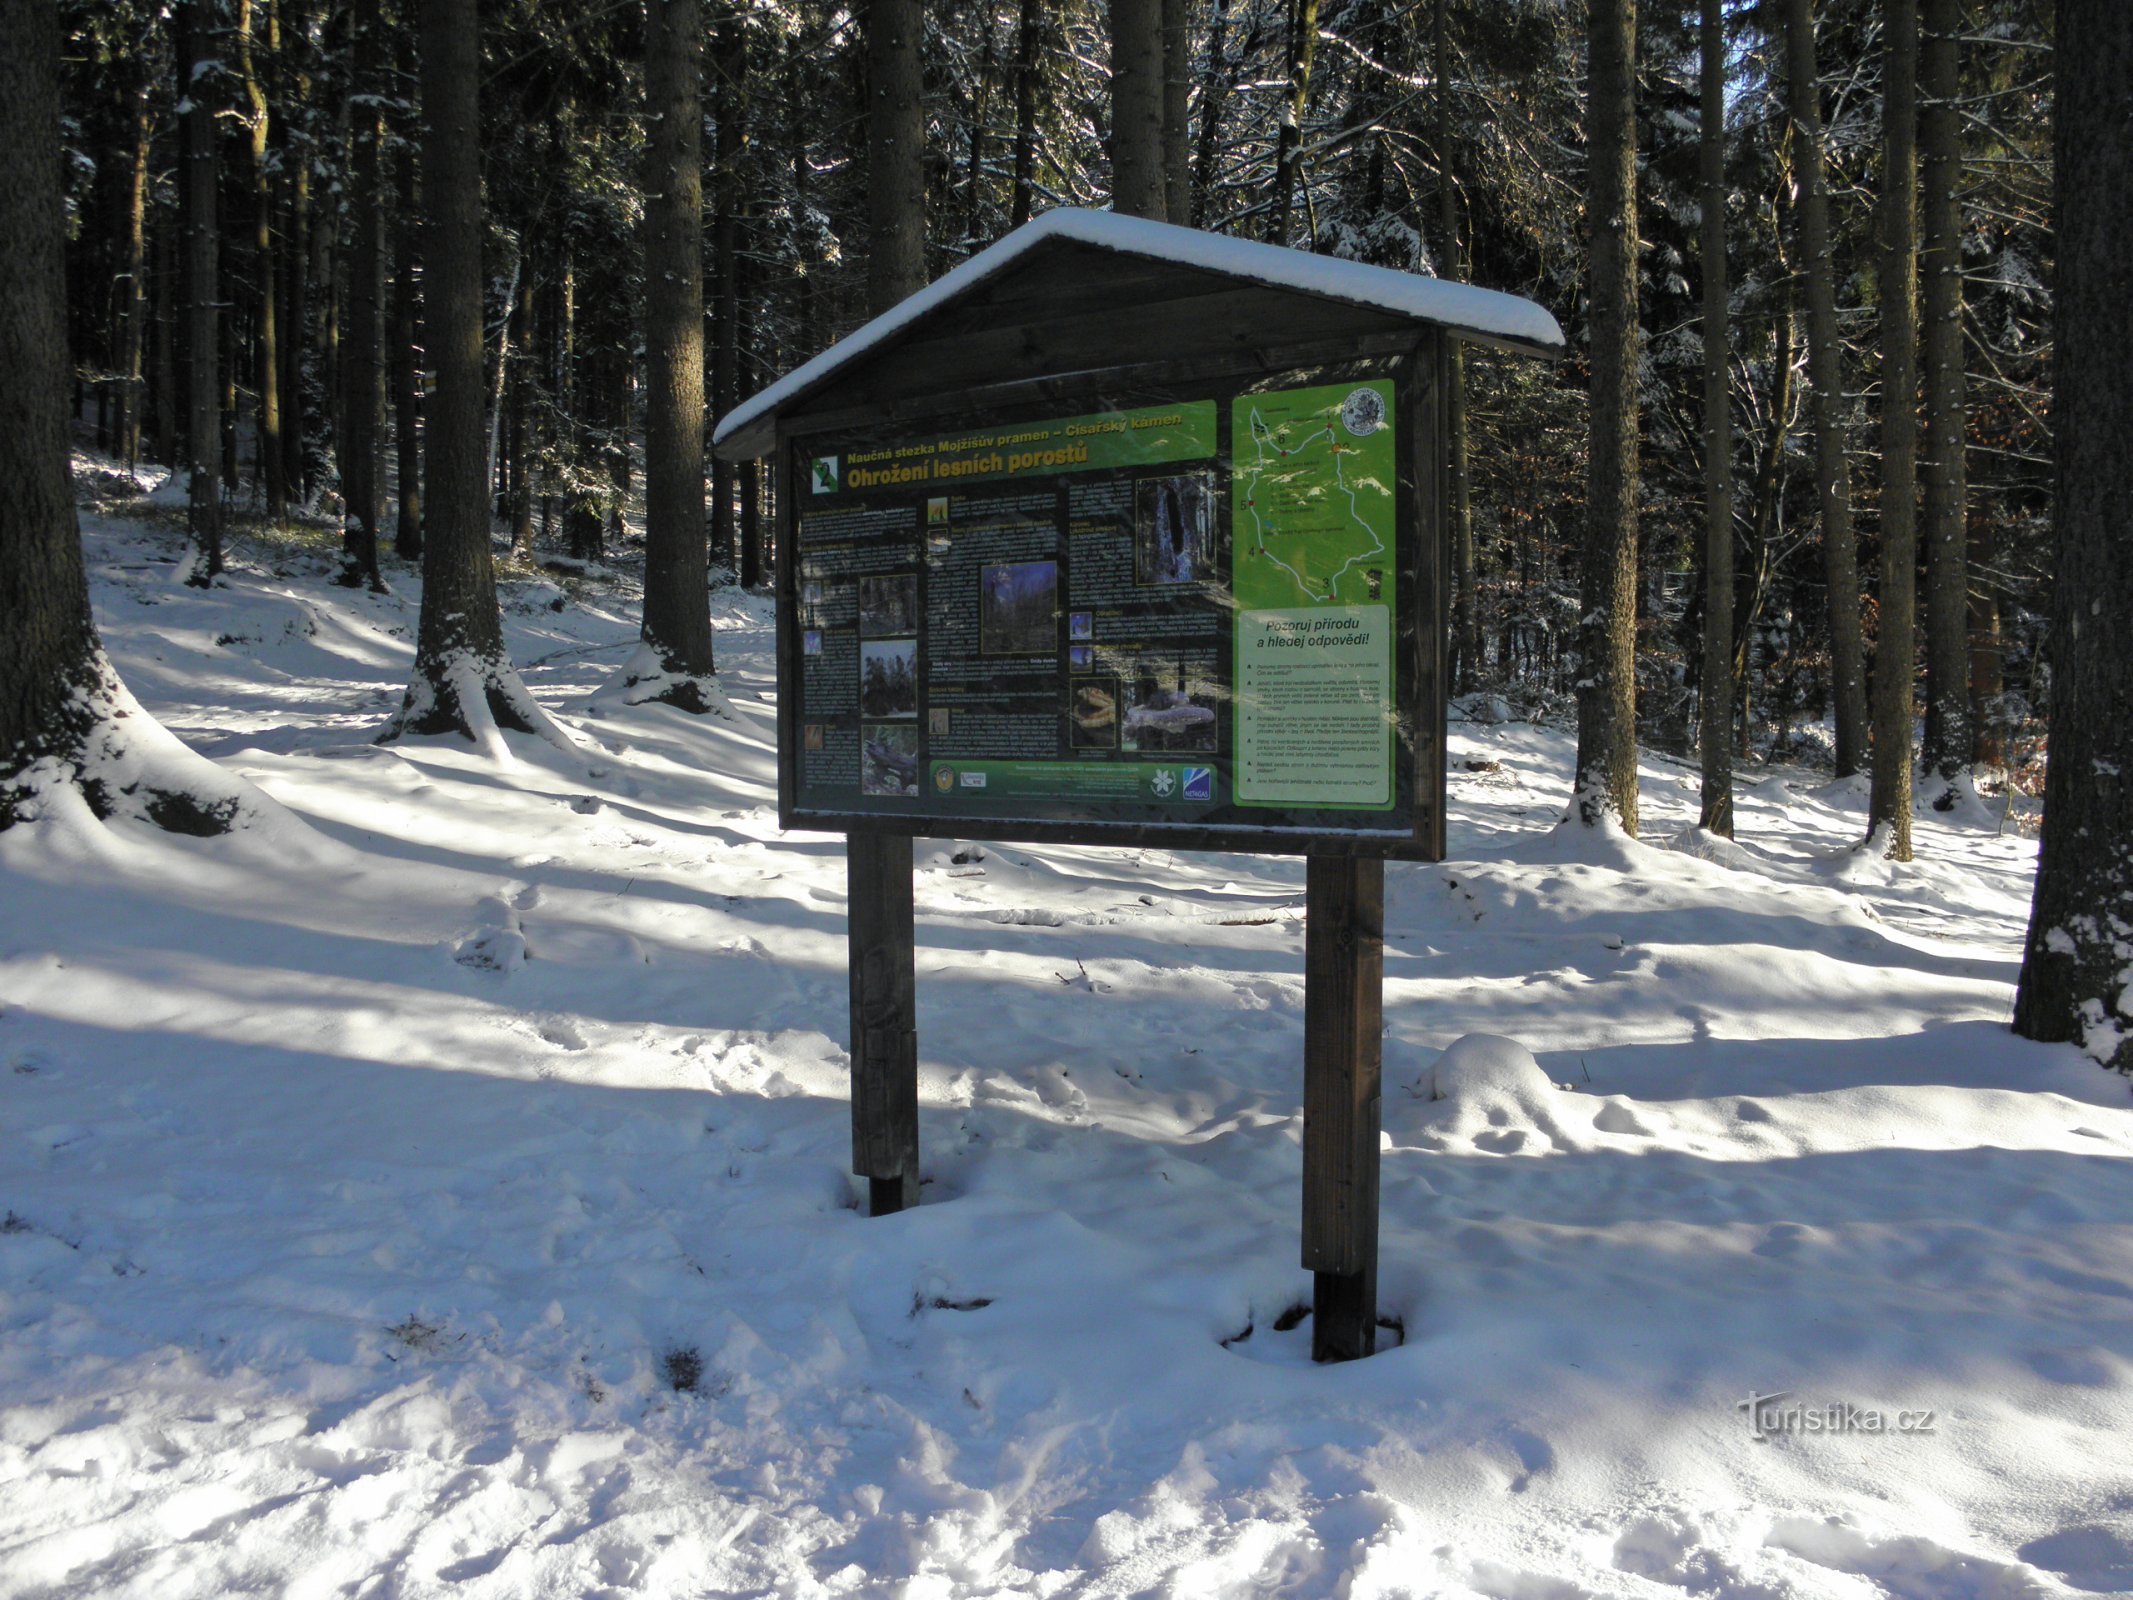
<point x="1149" y="436"/>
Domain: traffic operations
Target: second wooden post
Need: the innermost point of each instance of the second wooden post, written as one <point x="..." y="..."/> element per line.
<point x="1344" y="984"/>
<point x="884" y="1019"/>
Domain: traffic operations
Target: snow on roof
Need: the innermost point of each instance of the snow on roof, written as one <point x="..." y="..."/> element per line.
<point x="1481" y="314"/>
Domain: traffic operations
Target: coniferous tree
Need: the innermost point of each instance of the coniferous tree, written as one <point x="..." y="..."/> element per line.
<point x="1895" y="668"/>
<point x="1301" y="38"/>
<point x="677" y="617"/>
<point x="360" y="442"/>
<point x="2074" y="985"/>
<point x="1606" y="777"/>
<point x="67" y="725"/>
<point x="1137" y="103"/>
<point x="1948" y="735"/>
<point x="463" y="682"/>
<point x="1715" y="720"/>
<point x="200" y="83"/>
<point x="1826" y="373"/>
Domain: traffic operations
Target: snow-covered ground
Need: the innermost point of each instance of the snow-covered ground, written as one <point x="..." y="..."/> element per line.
<point x="440" y="1188"/>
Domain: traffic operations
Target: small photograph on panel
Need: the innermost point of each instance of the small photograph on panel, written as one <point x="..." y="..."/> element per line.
<point x="888" y="678"/>
<point x="888" y="604"/>
<point x="1080" y="657"/>
<point x="1158" y="716"/>
<point x="1092" y="716"/>
<point x="1081" y="624"/>
<point x="888" y="761"/>
<point x="1018" y="609"/>
<point x="811" y="641"/>
<point x="811" y="736"/>
<point x="1173" y="529"/>
<point x="937" y="722"/>
<point x="937" y="511"/>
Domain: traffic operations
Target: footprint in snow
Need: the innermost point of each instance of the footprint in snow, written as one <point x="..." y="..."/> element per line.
<point x="561" y="1033"/>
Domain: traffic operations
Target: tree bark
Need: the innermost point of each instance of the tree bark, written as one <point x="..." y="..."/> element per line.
<point x="1177" y="111"/>
<point x="2074" y="986"/>
<point x="48" y="649"/>
<point x="515" y="358"/>
<point x="1466" y="629"/>
<point x="1214" y="88"/>
<point x="406" y="365"/>
<point x="264" y="307"/>
<point x="728" y="96"/>
<point x="1988" y="719"/>
<point x="1137" y="187"/>
<point x="362" y="365"/>
<point x="677" y="616"/>
<point x="896" y="150"/>
<point x="1825" y="371"/>
<point x="462" y="681"/>
<point x="64" y="718"/>
<point x="1948" y="732"/>
<point x="1302" y="45"/>
<point x="1607" y="668"/>
<point x="134" y="293"/>
<point x="1029" y="22"/>
<point x="202" y="287"/>
<point x="1715" y="687"/>
<point x="1895" y="658"/>
<point x="163" y="339"/>
<point x="296" y="419"/>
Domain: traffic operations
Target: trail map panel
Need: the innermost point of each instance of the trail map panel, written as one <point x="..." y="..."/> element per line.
<point x="1174" y="613"/>
<point x="1316" y="584"/>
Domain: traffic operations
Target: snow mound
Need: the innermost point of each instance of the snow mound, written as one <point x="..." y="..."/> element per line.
<point x="1488" y="1093"/>
<point x="1487" y="1066"/>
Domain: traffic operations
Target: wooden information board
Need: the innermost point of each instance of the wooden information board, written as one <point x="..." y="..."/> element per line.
<point x="1125" y="534"/>
<point x="1202" y="613"/>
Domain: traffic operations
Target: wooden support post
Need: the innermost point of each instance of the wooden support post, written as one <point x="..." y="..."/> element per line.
<point x="884" y="1019"/>
<point x="1344" y="984"/>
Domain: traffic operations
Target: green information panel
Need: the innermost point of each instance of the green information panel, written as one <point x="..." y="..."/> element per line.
<point x="1316" y="585"/>
<point x="1179" y="615"/>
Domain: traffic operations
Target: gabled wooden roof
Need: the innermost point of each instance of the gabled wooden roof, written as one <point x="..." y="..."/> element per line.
<point x="1087" y="290"/>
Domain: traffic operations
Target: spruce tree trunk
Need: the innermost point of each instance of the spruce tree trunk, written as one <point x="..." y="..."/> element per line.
<point x="1214" y="88"/>
<point x="361" y="441"/>
<point x="1948" y="732"/>
<point x="1466" y="628"/>
<point x="1606" y="778"/>
<point x="1895" y="658"/>
<point x="48" y="649"/>
<point x="163" y="338"/>
<point x="202" y="290"/>
<point x="677" y="616"/>
<point x="2074" y="985"/>
<point x="896" y="150"/>
<point x="406" y="369"/>
<point x="731" y="73"/>
<point x="266" y="329"/>
<point x="133" y="324"/>
<point x="296" y="417"/>
<point x="1751" y="585"/>
<point x="1177" y="115"/>
<point x="1302" y="45"/>
<point x="1988" y="741"/>
<point x="462" y="681"/>
<point x="516" y="358"/>
<point x="1137" y="187"/>
<point x="1825" y="369"/>
<point x="581" y="509"/>
<point x="1715" y="687"/>
<point x="1029" y="23"/>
